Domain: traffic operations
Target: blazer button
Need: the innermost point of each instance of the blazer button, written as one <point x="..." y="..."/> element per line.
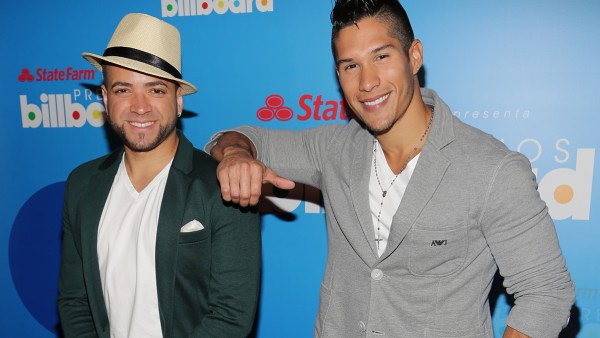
<point x="377" y="274"/>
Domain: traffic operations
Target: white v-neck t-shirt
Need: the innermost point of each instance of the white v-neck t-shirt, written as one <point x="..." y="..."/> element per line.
<point x="126" y="248"/>
<point x="393" y="197"/>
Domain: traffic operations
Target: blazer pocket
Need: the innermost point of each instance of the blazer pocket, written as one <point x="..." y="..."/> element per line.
<point x="193" y="237"/>
<point x="437" y="252"/>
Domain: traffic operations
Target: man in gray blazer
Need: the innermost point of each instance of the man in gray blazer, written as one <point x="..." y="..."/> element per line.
<point x="422" y="209"/>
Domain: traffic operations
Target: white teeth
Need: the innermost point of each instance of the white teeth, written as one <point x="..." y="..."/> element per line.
<point x="141" y="125"/>
<point x="378" y="101"/>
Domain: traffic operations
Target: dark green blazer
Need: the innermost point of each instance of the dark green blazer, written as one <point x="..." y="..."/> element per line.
<point x="207" y="280"/>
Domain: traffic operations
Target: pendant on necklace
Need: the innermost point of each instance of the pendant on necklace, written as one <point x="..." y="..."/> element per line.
<point x="384" y="193"/>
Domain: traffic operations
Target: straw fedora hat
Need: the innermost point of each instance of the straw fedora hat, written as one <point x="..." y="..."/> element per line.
<point x="145" y="44"/>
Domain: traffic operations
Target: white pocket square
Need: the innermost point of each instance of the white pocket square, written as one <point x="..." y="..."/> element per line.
<point x="192" y="226"/>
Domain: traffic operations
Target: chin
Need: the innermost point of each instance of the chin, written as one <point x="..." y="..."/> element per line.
<point x="142" y="147"/>
<point x="380" y="127"/>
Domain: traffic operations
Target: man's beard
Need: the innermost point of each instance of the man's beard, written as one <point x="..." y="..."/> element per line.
<point x="140" y="145"/>
<point x="376" y="131"/>
<point x="373" y="129"/>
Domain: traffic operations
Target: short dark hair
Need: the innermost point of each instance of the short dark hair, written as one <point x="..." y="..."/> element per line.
<point x="348" y="12"/>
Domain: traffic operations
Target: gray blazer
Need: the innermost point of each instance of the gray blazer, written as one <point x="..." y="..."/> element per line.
<point x="468" y="193"/>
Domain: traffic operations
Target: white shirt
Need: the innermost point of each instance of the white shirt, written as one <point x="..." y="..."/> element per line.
<point x="393" y="197"/>
<point x="126" y="246"/>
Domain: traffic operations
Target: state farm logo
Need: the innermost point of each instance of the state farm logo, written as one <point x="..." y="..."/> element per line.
<point x="45" y="74"/>
<point x="25" y="76"/>
<point x="312" y="107"/>
<point x="274" y="108"/>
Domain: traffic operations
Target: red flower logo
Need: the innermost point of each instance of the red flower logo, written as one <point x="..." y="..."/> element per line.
<point x="274" y="109"/>
<point x="25" y="76"/>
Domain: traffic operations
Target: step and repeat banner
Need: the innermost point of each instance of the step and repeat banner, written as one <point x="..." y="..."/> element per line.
<point x="525" y="71"/>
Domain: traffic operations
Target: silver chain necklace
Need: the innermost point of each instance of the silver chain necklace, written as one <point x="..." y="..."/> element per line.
<point x="384" y="192"/>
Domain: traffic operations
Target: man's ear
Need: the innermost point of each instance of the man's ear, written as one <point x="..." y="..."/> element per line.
<point x="415" y="56"/>
<point x="179" y="101"/>
<point x="105" y="97"/>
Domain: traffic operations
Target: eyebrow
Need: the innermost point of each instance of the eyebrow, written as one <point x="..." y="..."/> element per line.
<point x="155" y="83"/>
<point x="147" y="84"/>
<point x="374" y="51"/>
<point x="120" y="84"/>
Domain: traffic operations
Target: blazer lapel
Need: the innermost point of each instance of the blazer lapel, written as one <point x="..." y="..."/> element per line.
<point x="359" y="190"/>
<point x="427" y="175"/>
<point x="89" y="219"/>
<point x="169" y="223"/>
<point x="423" y="183"/>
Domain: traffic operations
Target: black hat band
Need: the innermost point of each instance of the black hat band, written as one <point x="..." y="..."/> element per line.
<point x="139" y="55"/>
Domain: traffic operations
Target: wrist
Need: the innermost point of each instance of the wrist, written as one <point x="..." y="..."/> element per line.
<point x="236" y="150"/>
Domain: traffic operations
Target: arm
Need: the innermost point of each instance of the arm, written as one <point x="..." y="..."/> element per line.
<point x="240" y="174"/>
<point x="297" y="155"/>
<point x="74" y="311"/>
<point x="523" y="241"/>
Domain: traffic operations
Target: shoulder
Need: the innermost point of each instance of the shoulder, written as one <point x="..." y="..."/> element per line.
<point x="474" y="142"/>
<point x="485" y="158"/>
<point x="457" y="139"/>
<point x="192" y="162"/>
<point x="79" y="180"/>
<point x="344" y="133"/>
<point x="203" y="164"/>
<point x="203" y="173"/>
<point x="472" y="151"/>
<point x="84" y="171"/>
<point x="205" y="192"/>
<point x="473" y="135"/>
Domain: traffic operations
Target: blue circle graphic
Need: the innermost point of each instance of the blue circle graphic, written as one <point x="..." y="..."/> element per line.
<point x="34" y="253"/>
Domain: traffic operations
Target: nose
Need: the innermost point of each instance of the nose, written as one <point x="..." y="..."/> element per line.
<point x="369" y="78"/>
<point x="140" y="103"/>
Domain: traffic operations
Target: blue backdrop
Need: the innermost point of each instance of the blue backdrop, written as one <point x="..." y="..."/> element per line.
<point x="525" y="71"/>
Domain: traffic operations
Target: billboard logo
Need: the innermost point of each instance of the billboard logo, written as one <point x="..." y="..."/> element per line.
<point x="45" y="75"/>
<point x="313" y="108"/>
<point x="566" y="191"/>
<point x="274" y="109"/>
<point x="59" y="111"/>
<point x="172" y="8"/>
<point x="25" y="76"/>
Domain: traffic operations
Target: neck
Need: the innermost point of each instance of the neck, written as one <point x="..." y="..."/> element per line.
<point x="142" y="167"/>
<point x="406" y="138"/>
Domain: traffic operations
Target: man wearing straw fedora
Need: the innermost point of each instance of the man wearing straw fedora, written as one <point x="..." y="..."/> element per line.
<point x="149" y="247"/>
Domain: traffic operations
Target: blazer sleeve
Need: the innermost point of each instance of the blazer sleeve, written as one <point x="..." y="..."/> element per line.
<point x="523" y="241"/>
<point x="73" y="307"/>
<point x="235" y="272"/>
<point x="296" y="155"/>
